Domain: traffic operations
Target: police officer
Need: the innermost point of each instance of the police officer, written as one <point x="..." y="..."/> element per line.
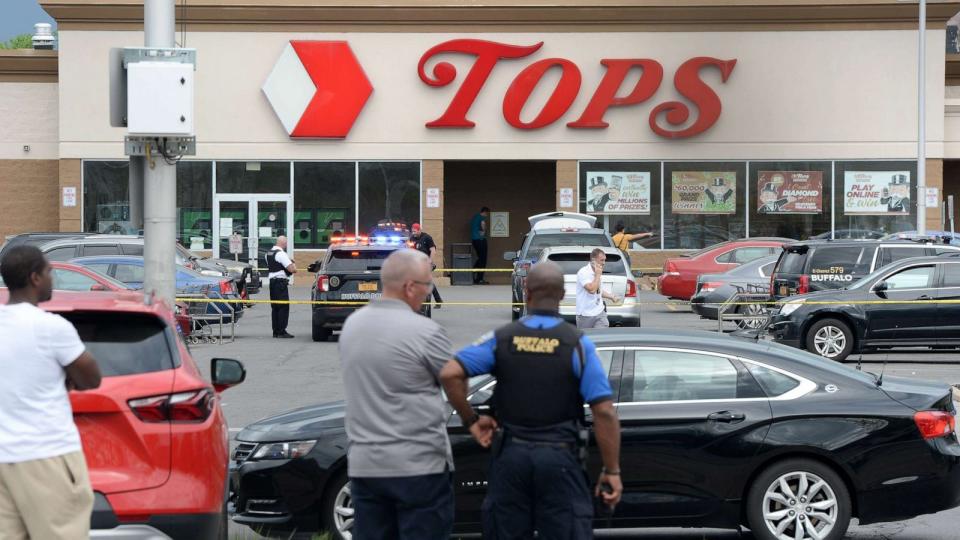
<point x="424" y="243"/>
<point x="546" y="369"/>
<point x="280" y="268"/>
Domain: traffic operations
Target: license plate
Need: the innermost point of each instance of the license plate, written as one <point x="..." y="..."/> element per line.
<point x="783" y="290"/>
<point x="368" y="286"/>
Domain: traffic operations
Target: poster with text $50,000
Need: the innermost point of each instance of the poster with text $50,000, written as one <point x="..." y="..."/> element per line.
<point x="704" y="192"/>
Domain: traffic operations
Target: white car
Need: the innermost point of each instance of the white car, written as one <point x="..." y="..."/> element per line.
<point x="617" y="279"/>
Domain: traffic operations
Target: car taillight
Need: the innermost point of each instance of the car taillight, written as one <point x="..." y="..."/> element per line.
<point x="194" y="406"/>
<point x="934" y="424"/>
<point x="323" y="283"/>
<point x="710" y="286"/>
<point x="670" y="269"/>
<point x="225" y="287"/>
<point x="772" y="290"/>
<point x="631" y="289"/>
<point x="804" y="286"/>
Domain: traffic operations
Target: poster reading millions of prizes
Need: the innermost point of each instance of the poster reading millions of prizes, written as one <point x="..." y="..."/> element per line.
<point x="618" y="193"/>
<point x="699" y="192"/>
<point x="876" y="193"/>
<point x="790" y="192"/>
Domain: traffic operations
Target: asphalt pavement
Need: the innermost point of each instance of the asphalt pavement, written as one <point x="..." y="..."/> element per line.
<point x="290" y="373"/>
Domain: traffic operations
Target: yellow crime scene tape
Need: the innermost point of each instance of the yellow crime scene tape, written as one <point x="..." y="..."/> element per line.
<point x="644" y="303"/>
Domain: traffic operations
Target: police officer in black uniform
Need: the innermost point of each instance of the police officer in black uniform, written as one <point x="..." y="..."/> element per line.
<point x="424" y="243"/>
<point x="280" y="268"/>
<point x="546" y="370"/>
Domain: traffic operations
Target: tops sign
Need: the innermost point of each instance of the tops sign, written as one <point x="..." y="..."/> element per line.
<point x="318" y="89"/>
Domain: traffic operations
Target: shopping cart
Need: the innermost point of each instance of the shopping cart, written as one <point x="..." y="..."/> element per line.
<point x="750" y="308"/>
<point x="208" y="319"/>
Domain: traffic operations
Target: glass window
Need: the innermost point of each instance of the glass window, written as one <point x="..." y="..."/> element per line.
<point x="64" y="253"/>
<point x="791" y="262"/>
<point x="106" y="197"/>
<point x="540" y="241"/>
<point x="682" y="376"/>
<point x="95" y="250"/>
<point x="345" y="260"/>
<point x="891" y="254"/>
<point x="704" y="204"/>
<point x="874" y="198"/>
<point x="100" y="268"/>
<point x="790" y="199"/>
<point x="129" y="273"/>
<point x="132" y="249"/>
<point x="389" y="191"/>
<point x="773" y="382"/>
<point x="124" y="344"/>
<point x="571" y="263"/>
<point x="951" y="275"/>
<point x="324" y="201"/>
<point x="767" y="269"/>
<point x="920" y="277"/>
<point x="253" y="177"/>
<point x="744" y="255"/>
<point x="625" y="193"/>
<point x="194" y="203"/>
<point x="851" y="260"/>
<point x="68" y="280"/>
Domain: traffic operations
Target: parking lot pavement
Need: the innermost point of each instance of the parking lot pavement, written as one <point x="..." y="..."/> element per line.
<point x="285" y="374"/>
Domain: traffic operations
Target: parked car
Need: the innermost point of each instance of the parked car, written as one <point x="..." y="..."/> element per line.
<point x="849" y="234"/>
<point x="547" y="230"/>
<point x="846" y="323"/>
<point x="716" y="432"/>
<point x="35" y="239"/>
<point x="817" y="265"/>
<point x="713" y="290"/>
<point x="349" y="272"/>
<point x="679" y="277"/>
<point x="130" y="271"/>
<point x="153" y="434"/>
<point x="617" y="279"/>
<point x="943" y="237"/>
<point x="248" y="281"/>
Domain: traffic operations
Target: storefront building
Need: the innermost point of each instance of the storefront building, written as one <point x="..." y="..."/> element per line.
<point x="697" y="121"/>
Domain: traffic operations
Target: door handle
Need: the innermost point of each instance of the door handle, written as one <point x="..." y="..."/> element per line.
<point x="925" y="297"/>
<point x="727" y="417"/>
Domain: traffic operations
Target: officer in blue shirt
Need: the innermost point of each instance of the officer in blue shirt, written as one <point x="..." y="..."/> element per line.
<point x="534" y="481"/>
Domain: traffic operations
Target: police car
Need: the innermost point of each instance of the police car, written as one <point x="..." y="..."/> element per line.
<point x="350" y="273"/>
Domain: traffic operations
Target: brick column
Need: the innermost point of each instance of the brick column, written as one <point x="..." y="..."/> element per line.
<point x="70" y="217"/>
<point x="934" y="179"/>
<point x="567" y="178"/>
<point x="433" y="217"/>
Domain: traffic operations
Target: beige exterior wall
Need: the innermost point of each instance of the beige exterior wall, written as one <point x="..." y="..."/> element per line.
<point x="28" y="196"/>
<point x="29" y="115"/>
<point x="792" y="95"/>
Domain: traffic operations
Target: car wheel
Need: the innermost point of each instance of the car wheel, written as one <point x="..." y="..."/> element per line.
<point x="337" y="508"/>
<point x="514" y="310"/>
<point x="321" y="334"/>
<point x="798" y="499"/>
<point x="830" y="338"/>
<point x="751" y="310"/>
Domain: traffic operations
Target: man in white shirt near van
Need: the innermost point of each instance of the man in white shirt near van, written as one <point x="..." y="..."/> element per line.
<point x="44" y="486"/>
<point x="591" y="311"/>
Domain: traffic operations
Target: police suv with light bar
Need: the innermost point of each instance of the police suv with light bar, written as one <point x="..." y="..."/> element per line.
<point x="350" y="273"/>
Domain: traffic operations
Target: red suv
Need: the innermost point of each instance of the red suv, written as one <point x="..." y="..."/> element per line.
<point x="154" y="436"/>
<point x="679" y="277"/>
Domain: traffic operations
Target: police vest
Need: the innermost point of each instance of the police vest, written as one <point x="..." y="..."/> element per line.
<point x="536" y="384"/>
<point x="272" y="264"/>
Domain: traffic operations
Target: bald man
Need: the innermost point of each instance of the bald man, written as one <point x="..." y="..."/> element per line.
<point x="546" y="370"/>
<point x="279" y="268"/>
<point x="398" y="458"/>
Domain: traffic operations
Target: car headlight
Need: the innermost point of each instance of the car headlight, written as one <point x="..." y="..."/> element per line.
<point x="211" y="273"/>
<point x="790" y="307"/>
<point x="284" y="450"/>
<point x="235" y="269"/>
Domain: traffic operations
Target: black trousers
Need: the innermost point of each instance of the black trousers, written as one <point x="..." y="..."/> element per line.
<point x="407" y="508"/>
<point x="279" y="313"/>
<point x="537" y="488"/>
<point x="480" y="246"/>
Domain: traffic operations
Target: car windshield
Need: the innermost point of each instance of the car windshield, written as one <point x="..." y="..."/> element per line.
<point x="542" y="240"/>
<point x="124" y="343"/>
<point x="571" y="263"/>
<point x="360" y="260"/>
<point x="103" y="277"/>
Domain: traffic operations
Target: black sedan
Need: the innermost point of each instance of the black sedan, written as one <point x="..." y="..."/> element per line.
<point x="717" y="432"/>
<point x="895" y="306"/>
<point x="713" y="290"/>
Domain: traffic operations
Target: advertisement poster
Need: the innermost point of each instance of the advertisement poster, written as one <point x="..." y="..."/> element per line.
<point x="618" y="193"/>
<point x="876" y="193"/>
<point x="790" y="192"/>
<point x="698" y="192"/>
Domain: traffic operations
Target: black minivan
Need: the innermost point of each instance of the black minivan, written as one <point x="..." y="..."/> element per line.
<point x="819" y="265"/>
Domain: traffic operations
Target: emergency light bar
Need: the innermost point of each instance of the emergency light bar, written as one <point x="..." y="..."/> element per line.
<point x="379" y="240"/>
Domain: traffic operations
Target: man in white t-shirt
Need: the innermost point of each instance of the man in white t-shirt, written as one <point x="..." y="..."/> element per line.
<point x="44" y="486"/>
<point x="280" y="268"/>
<point x="591" y="311"/>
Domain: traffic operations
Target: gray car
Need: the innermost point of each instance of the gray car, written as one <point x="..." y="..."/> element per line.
<point x="713" y="290"/>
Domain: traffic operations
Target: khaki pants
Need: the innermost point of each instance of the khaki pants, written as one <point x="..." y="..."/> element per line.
<point x="46" y="499"/>
<point x="599" y="321"/>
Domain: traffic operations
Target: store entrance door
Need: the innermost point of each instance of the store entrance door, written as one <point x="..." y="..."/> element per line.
<point x="257" y="219"/>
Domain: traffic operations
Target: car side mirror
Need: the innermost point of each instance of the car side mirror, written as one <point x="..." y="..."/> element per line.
<point x="226" y="372"/>
<point x="97" y="287"/>
<point x="510" y="256"/>
<point x="314" y="267"/>
<point x="881" y="288"/>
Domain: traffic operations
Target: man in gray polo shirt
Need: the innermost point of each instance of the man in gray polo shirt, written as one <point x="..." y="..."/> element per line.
<point x="399" y="459"/>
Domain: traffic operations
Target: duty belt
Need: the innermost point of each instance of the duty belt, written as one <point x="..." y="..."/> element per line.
<point x="548" y="444"/>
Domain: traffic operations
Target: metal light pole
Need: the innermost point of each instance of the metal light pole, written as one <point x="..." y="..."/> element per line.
<point x="159" y="177"/>
<point x="922" y="113"/>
